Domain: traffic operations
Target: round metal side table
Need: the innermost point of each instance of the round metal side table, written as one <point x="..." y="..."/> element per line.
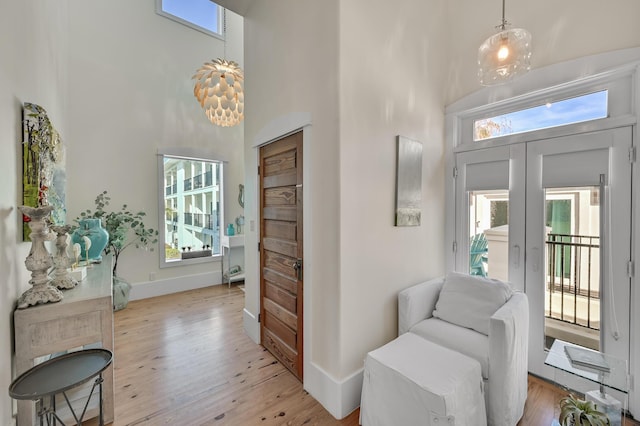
<point x="58" y="375"/>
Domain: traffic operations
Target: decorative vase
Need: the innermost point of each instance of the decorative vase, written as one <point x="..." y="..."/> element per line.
<point x="62" y="279"/>
<point x="121" y="290"/>
<point x="99" y="237"/>
<point x="39" y="260"/>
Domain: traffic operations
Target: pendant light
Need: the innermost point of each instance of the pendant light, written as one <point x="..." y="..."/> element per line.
<point x="219" y="90"/>
<point x="504" y="55"/>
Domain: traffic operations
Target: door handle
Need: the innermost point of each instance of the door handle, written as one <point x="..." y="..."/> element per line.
<point x="515" y="252"/>
<point x="297" y="265"/>
<point x="535" y="258"/>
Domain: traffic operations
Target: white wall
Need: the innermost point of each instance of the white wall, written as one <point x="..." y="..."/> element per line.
<point x="131" y="93"/>
<point x="358" y="260"/>
<point x="392" y="65"/>
<point x="292" y="52"/>
<point x="560" y="31"/>
<point x="33" y="46"/>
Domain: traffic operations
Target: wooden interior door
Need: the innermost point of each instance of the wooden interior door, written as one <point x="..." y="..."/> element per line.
<point x="281" y="285"/>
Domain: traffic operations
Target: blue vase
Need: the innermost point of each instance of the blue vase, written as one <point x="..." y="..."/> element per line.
<point x="99" y="237"/>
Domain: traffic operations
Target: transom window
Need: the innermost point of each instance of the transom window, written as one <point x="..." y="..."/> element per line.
<point x="201" y="15"/>
<point x="578" y="109"/>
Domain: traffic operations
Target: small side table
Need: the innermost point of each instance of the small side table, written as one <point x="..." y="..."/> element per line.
<point x="58" y="375"/>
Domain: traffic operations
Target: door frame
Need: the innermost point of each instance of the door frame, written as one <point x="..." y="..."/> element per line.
<point x="277" y="129"/>
<point x="616" y="71"/>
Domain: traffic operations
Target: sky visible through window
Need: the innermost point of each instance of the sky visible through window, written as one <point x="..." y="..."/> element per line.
<point x="203" y="13"/>
<point x="568" y="111"/>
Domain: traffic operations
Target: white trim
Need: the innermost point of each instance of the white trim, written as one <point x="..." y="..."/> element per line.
<point x="340" y="398"/>
<point x="251" y="325"/>
<point x="281" y="127"/>
<point x="147" y="289"/>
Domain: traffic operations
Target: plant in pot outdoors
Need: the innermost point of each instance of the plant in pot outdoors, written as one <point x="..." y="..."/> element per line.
<point x="126" y="229"/>
<point x="578" y="412"/>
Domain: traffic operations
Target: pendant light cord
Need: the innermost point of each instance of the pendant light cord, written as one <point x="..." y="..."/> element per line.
<point x="224" y="32"/>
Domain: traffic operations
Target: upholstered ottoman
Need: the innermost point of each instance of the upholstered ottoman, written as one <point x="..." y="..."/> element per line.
<point x="411" y="381"/>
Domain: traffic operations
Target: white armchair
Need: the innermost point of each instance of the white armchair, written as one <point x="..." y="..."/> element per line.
<point x="502" y="353"/>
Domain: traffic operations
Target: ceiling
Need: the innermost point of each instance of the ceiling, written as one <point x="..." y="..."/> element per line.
<point x="238" y="6"/>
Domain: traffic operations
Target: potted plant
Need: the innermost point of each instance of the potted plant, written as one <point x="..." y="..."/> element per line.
<point x="578" y="412"/>
<point x="126" y="229"/>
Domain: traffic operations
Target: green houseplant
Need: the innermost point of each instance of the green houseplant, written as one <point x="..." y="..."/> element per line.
<point x="126" y="228"/>
<point x="578" y="412"/>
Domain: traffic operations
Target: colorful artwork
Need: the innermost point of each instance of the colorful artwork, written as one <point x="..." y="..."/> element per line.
<point x="43" y="172"/>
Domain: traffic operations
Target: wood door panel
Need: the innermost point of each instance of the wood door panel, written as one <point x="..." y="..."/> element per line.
<point x="286" y="248"/>
<point x="285" y="179"/>
<point x="285" y="354"/>
<point x="280" y="229"/>
<point x="280" y="213"/>
<point x="281" y="289"/>
<point x="285" y="144"/>
<point x="282" y="314"/>
<point x="278" y="328"/>
<point x="280" y="163"/>
<point x="279" y="263"/>
<point x="281" y="297"/>
<point x="286" y="283"/>
<point x="280" y="196"/>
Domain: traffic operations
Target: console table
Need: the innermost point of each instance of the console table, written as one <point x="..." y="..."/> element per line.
<point x="230" y="242"/>
<point x="83" y="318"/>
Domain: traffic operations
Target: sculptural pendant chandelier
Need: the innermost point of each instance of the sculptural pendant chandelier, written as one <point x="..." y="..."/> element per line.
<point x="504" y="55"/>
<point x="219" y="90"/>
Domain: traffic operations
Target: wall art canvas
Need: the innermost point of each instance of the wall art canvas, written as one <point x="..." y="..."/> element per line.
<point x="43" y="169"/>
<point x="408" y="182"/>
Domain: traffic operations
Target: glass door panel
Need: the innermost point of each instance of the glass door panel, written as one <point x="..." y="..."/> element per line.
<point x="578" y="210"/>
<point x="572" y="273"/>
<point x="489" y="231"/>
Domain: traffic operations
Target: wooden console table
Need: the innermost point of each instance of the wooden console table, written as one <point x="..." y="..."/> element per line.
<point x="83" y="317"/>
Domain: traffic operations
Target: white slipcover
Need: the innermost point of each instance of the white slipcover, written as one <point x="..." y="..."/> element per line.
<point x="412" y="381"/>
<point x="506" y="381"/>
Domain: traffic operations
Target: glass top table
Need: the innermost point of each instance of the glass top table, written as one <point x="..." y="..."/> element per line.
<point x="603" y="369"/>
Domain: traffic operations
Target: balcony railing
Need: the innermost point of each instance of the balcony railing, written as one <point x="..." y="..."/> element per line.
<point x="573" y="279"/>
<point x="171" y="189"/>
<point x="201" y="220"/>
<point x="198" y="181"/>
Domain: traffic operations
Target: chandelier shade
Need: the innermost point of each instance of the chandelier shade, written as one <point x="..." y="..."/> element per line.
<point x="219" y="91"/>
<point x="504" y="55"/>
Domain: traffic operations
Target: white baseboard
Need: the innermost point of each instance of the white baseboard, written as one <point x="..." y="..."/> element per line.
<point x="148" y="289"/>
<point x="251" y="325"/>
<point x="340" y="398"/>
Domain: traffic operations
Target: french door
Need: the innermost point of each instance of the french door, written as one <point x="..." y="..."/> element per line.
<point x="556" y="217"/>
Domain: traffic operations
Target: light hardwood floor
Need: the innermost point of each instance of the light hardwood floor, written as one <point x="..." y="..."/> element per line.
<point x="184" y="360"/>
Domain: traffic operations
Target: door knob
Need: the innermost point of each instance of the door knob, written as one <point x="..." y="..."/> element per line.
<point x="297" y="265"/>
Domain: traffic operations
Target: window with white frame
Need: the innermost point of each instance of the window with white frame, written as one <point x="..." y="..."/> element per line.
<point x="578" y="109"/>
<point x="201" y="15"/>
<point x="191" y="209"/>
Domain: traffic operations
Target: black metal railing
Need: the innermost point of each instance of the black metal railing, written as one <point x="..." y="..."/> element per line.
<point x="171" y="189"/>
<point x="573" y="282"/>
<point x="201" y="220"/>
<point x="202" y="180"/>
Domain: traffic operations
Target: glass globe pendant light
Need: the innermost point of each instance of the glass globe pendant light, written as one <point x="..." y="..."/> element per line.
<point x="219" y="90"/>
<point x="504" y="55"/>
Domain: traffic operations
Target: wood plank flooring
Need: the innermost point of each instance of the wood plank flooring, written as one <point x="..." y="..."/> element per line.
<point x="184" y="360"/>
